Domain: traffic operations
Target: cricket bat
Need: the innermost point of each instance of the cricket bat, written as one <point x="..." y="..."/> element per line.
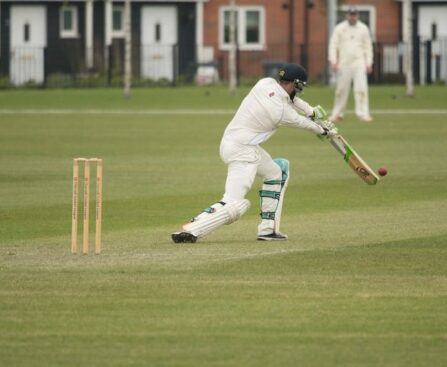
<point x="351" y="157"/>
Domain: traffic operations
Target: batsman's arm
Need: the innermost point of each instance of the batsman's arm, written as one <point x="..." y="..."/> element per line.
<point x="303" y="107"/>
<point x="291" y="118"/>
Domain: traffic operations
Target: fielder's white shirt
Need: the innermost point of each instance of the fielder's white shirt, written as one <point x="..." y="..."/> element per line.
<point x="267" y="107"/>
<point x="351" y="46"/>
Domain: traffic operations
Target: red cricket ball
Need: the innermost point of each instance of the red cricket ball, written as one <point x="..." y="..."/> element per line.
<point x="382" y="171"/>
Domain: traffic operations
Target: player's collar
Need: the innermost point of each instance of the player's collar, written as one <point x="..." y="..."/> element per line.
<point x="282" y="91"/>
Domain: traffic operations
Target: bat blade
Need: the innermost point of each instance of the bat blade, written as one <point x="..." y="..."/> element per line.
<point x="354" y="160"/>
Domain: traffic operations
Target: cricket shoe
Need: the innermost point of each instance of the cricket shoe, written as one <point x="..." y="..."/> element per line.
<point x="273" y="237"/>
<point x="335" y="118"/>
<point x="366" y="119"/>
<point x="183" y="237"/>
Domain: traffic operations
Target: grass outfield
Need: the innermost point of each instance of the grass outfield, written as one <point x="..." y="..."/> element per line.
<point x="362" y="280"/>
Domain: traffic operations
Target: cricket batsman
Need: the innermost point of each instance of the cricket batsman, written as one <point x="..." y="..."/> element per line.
<point x="269" y="105"/>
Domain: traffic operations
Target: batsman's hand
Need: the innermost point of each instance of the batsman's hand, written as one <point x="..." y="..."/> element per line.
<point x="329" y="133"/>
<point x="319" y="113"/>
<point x="328" y="125"/>
<point x="329" y="129"/>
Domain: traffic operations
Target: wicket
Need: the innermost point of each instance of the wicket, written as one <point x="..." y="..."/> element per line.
<point x="86" y="210"/>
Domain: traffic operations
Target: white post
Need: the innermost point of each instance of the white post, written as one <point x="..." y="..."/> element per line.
<point x="89" y="34"/>
<point x="0" y="24"/>
<point x="108" y="30"/>
<point x="407" y="18"/>
<point x="128" y="49"/>
<point x="331" y="22"/>
<point x="232" y="50"/>
<point x="199" y="30"/>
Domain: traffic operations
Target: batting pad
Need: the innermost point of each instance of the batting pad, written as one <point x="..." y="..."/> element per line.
<point x="229" y="213"/>
<point x="272" y="198"/>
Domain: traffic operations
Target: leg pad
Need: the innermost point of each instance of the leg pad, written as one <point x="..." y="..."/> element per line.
<point x="227" y="214"/>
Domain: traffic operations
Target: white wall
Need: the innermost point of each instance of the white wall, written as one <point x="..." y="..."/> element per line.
<point x="429" y="14"/>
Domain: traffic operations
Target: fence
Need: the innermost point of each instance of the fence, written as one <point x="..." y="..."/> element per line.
<point x="429" y="62"/>
<point x="168" y="65"/>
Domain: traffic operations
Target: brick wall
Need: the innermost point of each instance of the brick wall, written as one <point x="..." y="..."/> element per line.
<point x="278" y="29"/>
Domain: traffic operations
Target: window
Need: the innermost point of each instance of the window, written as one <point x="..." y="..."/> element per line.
<point x="367" y="14"/>
<point x="250" y="27"/>
<point x="68" y="22"/>
<point x="117" y="21"/>
<point x="226" y="22"/>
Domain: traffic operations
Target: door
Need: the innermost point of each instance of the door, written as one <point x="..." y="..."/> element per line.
<point x="158" y="42"/>
<point x="28" y="40"/>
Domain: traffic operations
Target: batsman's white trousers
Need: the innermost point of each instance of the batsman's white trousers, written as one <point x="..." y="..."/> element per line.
<point x="245" y="162"/>
<point x="346" y="76"/>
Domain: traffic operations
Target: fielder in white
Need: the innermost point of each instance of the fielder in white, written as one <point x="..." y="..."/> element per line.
<point x="269" y="105"/>
<point x="351" y="57"/>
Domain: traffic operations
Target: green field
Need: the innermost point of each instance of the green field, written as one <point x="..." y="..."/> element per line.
<point x="362" y="280"/>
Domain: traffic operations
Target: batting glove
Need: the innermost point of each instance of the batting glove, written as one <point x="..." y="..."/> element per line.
<point x="328" y="125"/>
<point x="329" y="133"/>
<point x="319" y="113"/>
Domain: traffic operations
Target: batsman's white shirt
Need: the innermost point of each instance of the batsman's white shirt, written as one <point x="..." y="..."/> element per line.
<point x="266" y="108"/>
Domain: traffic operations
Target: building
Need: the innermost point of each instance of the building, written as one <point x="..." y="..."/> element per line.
<point x="43" y="41"/>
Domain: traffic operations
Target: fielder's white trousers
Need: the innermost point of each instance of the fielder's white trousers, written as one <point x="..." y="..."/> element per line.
<point x="245" y="162"/>
<point x="346" y="76"/>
